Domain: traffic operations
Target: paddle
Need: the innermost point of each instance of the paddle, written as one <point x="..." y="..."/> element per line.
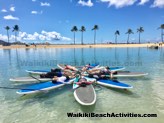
<point x="35" y="78"/>
<point x="22" y="89"/>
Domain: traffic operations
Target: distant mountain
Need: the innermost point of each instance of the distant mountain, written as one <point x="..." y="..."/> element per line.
<point x="7" y="44"/>
<point x="4" y="43"/>
<point x="19" y="43"/>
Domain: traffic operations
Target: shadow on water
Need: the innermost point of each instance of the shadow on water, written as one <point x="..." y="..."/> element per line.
<point x="124" y="92"/>
<point x="94" y="56"/>
<point x="8" y="52"/>
<point x="82" y="56"/>
<point x="87" y="109"/>
<point x="74" y="56"/>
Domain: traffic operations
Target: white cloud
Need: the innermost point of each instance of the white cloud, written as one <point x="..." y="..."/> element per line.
<point x="3" y="37"/>
<point x="12" y="8"/>
<point x="45" y="4"/>
<point x="10" y="17"/>
<point x="65" y="39"/>
<point x="158" y="3"/>
<point x="3" y="10"/>
<point x="34" y="12"/>
<point x="119" y="3"/>
<point x="33" y="0"/>
<point x="83" y="3"/>
<point x="43" y="36"/>
<point x="142" y="2"/>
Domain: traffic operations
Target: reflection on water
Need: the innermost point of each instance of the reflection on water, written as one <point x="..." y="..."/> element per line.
<point x="145" y="97"/>
<point x="49" y="57"/>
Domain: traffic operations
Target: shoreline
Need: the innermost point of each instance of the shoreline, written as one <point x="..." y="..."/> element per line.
<point x="81" y="46"/>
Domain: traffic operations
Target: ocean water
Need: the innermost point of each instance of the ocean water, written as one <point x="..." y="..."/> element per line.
<point x="146" y="96"/>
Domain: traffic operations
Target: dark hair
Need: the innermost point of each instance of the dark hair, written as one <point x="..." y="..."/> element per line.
<point x="67" y="78"/>
<point x="55" y="70"/>
<point x="78" y="72"/>
<point x="54" y="81"/>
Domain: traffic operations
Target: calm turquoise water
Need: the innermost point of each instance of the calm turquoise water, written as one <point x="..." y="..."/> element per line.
<point x="147" y="96"/>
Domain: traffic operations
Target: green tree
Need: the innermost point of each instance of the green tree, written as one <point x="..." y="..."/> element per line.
<point x="95" y="28"/>
<point x="82" y="30"/>
<point x="161" y="27"/>
<point x="140" y="30"/>
<point x="16" y="29"/>
<point x="74" y="29"/>
<point x="116" y="34"/>
<point x="129" y="32"/>
<point x="7" y="29"/>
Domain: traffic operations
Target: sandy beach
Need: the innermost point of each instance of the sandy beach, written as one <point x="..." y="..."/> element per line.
<point x="80" y="46"/>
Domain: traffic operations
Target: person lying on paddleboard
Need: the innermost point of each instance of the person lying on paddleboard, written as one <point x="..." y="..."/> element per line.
<point x="101" y="73"/>
<point x="84" y="82"/>
<point x="58" y="74"/>
<point x="67" y="76"/>
<point x="70" y="67"/>
<point x="97" y="76"/>
<point x="86" y="67"/>
<point x="81" y="81"/>
<point x="107" y="71"/>
<point x="56" y="70"/>
<point x="51" y="75"/>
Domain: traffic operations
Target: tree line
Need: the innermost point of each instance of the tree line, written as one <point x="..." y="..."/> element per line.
<point x="117" y="33"/>
<point x="74" y="29"/>
<point x="15" y="29"/>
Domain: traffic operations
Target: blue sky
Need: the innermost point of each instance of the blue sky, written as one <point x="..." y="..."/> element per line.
<point x="42" y="20"/>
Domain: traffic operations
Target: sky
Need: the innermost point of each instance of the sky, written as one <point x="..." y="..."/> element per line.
<point x="44" y="20"/>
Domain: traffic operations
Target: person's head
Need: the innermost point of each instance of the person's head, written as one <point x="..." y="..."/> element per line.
<point x="107" y="67"/>
<point x="83" y="80"/>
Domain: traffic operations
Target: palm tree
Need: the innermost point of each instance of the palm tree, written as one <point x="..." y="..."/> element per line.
<point x="82" y="30"/>
<point x="161" y="27"/>
<point x="16" y="29"/>
<point x="116" y="33"/>
<point x="74" y="29"/>
<point x="129" y="32"/>
<point x="140" y="30"/>
<point x="7" y="29"/>
<point x="95" y="28"/>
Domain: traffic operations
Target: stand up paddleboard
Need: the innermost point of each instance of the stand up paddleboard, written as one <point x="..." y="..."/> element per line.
<point x="30" y="79"/>
<point x="40" y="87"/>
<point x="129" y="74"/>
<point x="62" y="67"/>
<point x="111" y="68"/>
<point x="37" y="71"/>
<point x="113" y="84"/>
<point x="85" y="95"/>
